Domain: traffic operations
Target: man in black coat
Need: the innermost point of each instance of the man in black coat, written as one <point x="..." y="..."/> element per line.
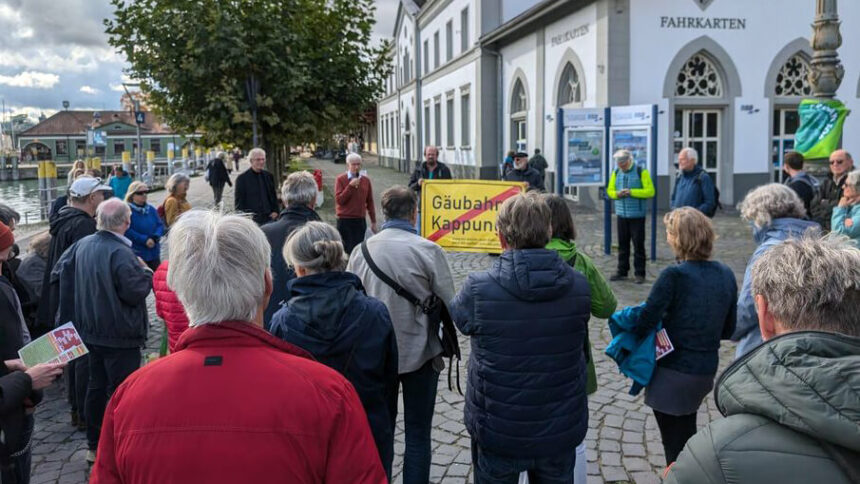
<point x="538" y="162"/>
<point x="300" y="194"/>
<point x="218" y="175"/>
<point x="522" y="172"/>
<point x="429" y="169"/>
<point x="255" y="190"/>
<point x="114" y="330"/>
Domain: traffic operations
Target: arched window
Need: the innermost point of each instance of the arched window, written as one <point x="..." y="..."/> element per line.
<point x="569" y="89"/>
<point x="699" y="78"/>
<point x="792" y="78"/>
<point x="519" y="113"/>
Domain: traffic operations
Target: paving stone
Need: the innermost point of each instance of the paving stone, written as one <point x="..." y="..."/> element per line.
<point x="646" y="478"/>
<point x="632" y="437"/>
<point x="636" y="464"/>
<point x="594" y="480"/>
<point x="613" y="474"/>
<point x="610" y="433"/>
<point x="633" y="424"/>
<point x="608" y="446"/>
<point x="610" y="459"/>
<point x="613" y="421"/>
<point x="636" y="450"/>
<point x="458" y="470"/>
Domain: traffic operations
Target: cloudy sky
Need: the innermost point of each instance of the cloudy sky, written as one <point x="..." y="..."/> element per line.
<point x="56" y="50"/>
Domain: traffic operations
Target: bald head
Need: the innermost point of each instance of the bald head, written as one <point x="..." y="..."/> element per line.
<point x="840" y="163"/>
<point x="113" y="215"/>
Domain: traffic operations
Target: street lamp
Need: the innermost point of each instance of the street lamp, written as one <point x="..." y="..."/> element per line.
<point x="826" y="71"/>
<point x="136" y="112"/>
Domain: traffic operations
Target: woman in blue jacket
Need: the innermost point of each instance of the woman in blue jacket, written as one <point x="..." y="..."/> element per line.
<point x="329" y="315"/>
<point x="696" y="301"/>
<point x="846" y="216"/>
<point x="146" y="227"/>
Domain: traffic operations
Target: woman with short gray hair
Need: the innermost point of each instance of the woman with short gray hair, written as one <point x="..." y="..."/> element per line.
<point x="176" y="204"/>
<point x="776" y="213"/>
<point x="846" y="216"/>
<point x="329" y="315"/>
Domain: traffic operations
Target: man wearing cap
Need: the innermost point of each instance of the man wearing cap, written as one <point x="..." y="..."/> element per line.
<point x="115" y="329"/>
<point x="522" y="172"/>
<point x="72" y="223"/>
<point x="630" y="185"/>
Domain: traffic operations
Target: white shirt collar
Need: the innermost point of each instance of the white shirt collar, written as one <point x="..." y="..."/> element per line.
<point x="121" y="237"/>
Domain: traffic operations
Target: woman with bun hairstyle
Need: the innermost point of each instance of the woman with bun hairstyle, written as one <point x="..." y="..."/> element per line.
<point x="329" y="315"/>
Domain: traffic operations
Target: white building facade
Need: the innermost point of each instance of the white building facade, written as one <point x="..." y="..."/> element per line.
<point x="726" y="75"/>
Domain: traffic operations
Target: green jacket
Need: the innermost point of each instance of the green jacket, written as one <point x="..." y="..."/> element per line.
<point x="792" y="410"/>
<point x="603" y="302"/>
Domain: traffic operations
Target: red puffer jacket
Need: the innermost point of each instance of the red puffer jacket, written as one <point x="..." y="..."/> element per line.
<point x="235" y="404"/>
<point x="168" y="307"/>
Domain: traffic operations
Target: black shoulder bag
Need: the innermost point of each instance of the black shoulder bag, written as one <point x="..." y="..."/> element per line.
<point x="440" y="325"/>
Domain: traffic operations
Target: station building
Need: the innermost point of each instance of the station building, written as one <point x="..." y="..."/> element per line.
<point x="480" y="77"/>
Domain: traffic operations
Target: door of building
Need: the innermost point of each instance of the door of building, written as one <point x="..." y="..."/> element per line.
<point x="785" y="124"/>
<point x="700" y="129"/>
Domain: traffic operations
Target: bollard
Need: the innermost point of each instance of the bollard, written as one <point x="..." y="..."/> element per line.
<point x="96" y="164"/>
<point x="150" y="167"/>
<point x="170" y="156"/>
<point x="47" y="173"/>
<point x="198" y="153"/>
<point x="3" y="175"/>
<point x="15" y="174"/>
<point x="126" y="161"/>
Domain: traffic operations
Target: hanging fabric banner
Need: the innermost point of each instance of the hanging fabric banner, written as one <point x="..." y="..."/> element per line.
<point x="820" y="127"/>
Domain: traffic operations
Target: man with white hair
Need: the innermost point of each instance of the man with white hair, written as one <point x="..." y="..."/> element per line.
<point x="791" y="405"/>
<point x="832" y="188"/>
<point x="233" y="403"/>
<point x="114" y="325"/>
<point x="299" y="193"/>
<point x="693" y="186"/>
<point x="255" y="190"/>
<point x="353" y="197"/>
<point x="630" y="186"/>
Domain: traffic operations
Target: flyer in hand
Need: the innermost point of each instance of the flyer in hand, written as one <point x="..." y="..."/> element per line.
<point x="61" y="345"/>
<point x="663" y="343"/>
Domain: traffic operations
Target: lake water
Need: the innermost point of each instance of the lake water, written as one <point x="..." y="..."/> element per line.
<point x="23" y="196"/>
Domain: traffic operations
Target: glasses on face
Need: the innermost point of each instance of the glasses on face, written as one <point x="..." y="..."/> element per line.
<point x="140" y="193"/>
<point x="837" y="162"/>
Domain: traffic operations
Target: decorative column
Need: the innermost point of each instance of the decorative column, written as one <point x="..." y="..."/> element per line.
<point x="826" y="72"/>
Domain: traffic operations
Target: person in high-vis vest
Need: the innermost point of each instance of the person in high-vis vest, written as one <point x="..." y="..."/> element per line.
<point x="630" y="186"/>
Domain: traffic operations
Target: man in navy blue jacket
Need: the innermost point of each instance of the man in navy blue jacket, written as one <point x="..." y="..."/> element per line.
<point x="525" y="404"/>
<point x="693" y="186"/>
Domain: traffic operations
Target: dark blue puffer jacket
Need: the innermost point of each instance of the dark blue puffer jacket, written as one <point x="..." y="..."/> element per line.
<point x="527" y="319"/>
<point x="330" y="316"/>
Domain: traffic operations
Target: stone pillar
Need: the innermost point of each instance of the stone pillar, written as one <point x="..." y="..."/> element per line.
<point x="826" y="72"/>
<point x="126" y="161"/>
<point x="47" y="173"/>
<point x="170" y="156"/>
<point x="150" y="168"/>
<point x="3" y="174"/>
<point x="15" y="174"/>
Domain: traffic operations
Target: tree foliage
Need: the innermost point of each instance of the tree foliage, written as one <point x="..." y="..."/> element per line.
<point x="313" y="59"/>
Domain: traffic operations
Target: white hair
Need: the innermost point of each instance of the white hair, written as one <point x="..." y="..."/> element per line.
<point x="112" y="215"/>
<point x="300" y="188"/>
<point x="811" y="284"/>
<point x="217" y="266"/>
<point x="853" y="180"/>
<point x="690" y="152"/>
<point x="255" y="151"/>
<point x="622" y="156"/>
<point x="315" y="247"/>
<point x="175" y="180"/>
<point x="353" y="157"/>
<point x="768" y="202"/>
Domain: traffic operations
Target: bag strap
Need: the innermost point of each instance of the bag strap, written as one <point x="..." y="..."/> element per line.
<point x="398" y="289"/>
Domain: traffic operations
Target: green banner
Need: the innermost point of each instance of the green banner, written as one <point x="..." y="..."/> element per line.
<point x="820" y="127"/>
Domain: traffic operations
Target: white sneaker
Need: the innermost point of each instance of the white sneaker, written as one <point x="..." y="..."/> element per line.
<point x="91" y="457"/>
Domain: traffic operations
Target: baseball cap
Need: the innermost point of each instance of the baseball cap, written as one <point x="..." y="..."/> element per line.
<point x="86" y="185"/>
<point x="7" y="239"/>
<point x="521" y="154"/>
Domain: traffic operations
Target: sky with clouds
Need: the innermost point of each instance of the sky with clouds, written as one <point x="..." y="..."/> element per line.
<point x="56" y="50"/>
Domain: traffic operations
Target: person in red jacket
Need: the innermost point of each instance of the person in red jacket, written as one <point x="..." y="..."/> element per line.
<point x="234" y="403"/>
<point x="168" y="307"/>
<point x="353" y="203"/>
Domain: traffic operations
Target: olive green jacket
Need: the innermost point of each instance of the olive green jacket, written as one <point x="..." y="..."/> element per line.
<point x="792" y="410"/>
<point x="603" y="302"/>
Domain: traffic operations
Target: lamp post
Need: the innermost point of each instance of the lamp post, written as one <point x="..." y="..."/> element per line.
<point x="826" y="72"/>
<point x="135" y="110"/>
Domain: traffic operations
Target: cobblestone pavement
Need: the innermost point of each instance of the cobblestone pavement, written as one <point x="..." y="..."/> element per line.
<point x="623" y="441"/>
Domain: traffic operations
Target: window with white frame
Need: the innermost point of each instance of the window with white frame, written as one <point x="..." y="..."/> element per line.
<point x="464" y="30"/>
<point x="519" y="114"/>
<point x="437" y="123"/>
<point x="465" y="119"/>
<point x="791" y="84"/>
<point x="426" y="57"/>
<point x="436" y="50"/>
<point x="569" y="89"/>
<point x="699" y="77"/>
<point x="449" y="41"/>
<point x="449" y="118"/>
<point x="426" y="123"/>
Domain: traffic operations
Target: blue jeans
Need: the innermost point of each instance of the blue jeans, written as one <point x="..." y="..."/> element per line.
<point x="489" y="468"/>
<point x="419" y="400"/>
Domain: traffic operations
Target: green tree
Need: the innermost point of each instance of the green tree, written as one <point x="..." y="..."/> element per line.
<point x="305" y="68"/>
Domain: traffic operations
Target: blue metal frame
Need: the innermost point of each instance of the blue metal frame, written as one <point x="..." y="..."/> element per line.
<point x="607" y="202"/>
<point x="654" y="180"/>
<point x="559" y="168"/>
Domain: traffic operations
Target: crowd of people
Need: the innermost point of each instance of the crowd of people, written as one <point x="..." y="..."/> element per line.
<point x="345" y="319"/>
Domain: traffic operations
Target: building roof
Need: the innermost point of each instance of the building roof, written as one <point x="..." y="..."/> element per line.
<point x="75" y="123"/>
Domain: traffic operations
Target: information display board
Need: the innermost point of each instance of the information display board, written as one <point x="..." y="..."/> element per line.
<point x="583" y="157"/>
<point x="460" y="215"/>
<point x="635" y="140"/>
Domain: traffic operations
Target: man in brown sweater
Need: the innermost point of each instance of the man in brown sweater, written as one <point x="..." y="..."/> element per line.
<point x="353" y="196"/>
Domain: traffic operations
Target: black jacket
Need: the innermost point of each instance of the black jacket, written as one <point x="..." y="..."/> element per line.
<point x="250" y="198"/>
<point x="831" y="192"/>
<point x="277" y="233"/>
<point x="538" y="162"/>
<point x="218" y="175"/>
<point x="16" y="386"/>
<point x="109" y="269"/>
<point x="441" y="172"/>
<point x="530" y="175"/>
<point x="330" y="316"/>
<point x="69" y="226"/>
